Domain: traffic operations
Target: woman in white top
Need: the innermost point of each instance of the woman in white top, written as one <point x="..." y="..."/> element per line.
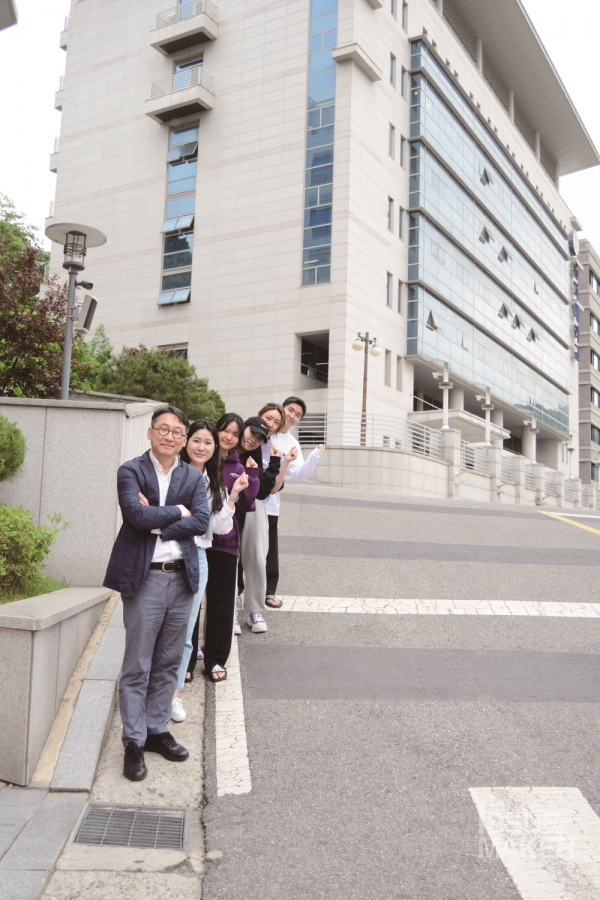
<point x="201" y="453"/>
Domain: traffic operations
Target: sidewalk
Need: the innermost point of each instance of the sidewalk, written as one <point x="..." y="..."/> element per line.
<point x="81" y="765"/>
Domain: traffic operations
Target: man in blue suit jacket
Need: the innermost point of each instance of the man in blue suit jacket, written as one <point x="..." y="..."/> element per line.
<point x="154" y="565"/>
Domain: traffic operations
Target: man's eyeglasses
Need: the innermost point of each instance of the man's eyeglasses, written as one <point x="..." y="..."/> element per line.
<point x="164" y="430"/>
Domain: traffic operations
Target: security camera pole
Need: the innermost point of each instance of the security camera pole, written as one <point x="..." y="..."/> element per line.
<point x="74" y="238"/>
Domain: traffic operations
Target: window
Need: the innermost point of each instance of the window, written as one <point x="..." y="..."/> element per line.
<point x="504" y="312"/>
<point x="504" y="255"/>
<point x="388" y="368"/>
<point x="403" y="81"/>
<point x="486" y="178"/>
<point x="392" y="141"/>
<point x="187" y="74"/>
<point x="398" y="373"/>
<point x="595" y="397"/>
<point x="400" y="300"/>
<point x="431" y="323"/>
<point x="180" y="350"/>
<point x="595" y="434"/>
<point x="595" y="473"/>
<point x="595" y="360"/>
<point x="181" y="176"/>
<point x="178" y="251"/>
<point x="177" y="223"/>
<point x="392" y="70"/>
<point x="594" y="282"/>
<point x="390" y="214"/>
<point x="402" y="152"/>
<point x="388" y="289"/>
<point x="178" y="243"/>
<point x="405" y="15"/>
<point x="532" y="336"/>
<point x="314" y="356"/>
<point x="400" y="223"/>
<point x="594" y="323"/>
<point x="394" y="8"/>
<point x="173" y="298"/>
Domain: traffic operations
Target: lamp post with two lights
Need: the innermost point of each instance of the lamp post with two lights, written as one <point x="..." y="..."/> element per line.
<point x="369" y="345"/>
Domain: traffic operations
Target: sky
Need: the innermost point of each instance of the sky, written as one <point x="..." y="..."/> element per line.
<point x="31" y="64"/>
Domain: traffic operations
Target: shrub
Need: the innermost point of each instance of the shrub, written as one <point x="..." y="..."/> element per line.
<point x="12" y="449"/>
<point x="23" y="548"/>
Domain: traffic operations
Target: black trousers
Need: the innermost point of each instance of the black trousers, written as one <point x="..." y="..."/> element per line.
<point x="273" y="557"/>
<point x="220" y="607"/>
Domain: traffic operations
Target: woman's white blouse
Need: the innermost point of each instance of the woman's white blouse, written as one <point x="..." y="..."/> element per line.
<point x="220" y="523"/>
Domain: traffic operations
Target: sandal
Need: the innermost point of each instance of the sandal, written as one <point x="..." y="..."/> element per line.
<point x="273" y="602"/>
<point x="217" y="670"/>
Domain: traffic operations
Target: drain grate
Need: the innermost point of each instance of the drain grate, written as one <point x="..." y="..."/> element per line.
<point x="133" y="826"/>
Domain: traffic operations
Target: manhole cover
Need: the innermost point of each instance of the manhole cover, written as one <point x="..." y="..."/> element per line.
<point x="133" y="826"/>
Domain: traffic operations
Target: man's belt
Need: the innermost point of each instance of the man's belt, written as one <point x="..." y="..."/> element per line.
<point x="175" y="565"/>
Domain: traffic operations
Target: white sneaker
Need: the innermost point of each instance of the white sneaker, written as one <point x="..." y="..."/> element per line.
<point x="257" y="623"/>
<point x="178" y="713"/>
<point x="236" y="626"/>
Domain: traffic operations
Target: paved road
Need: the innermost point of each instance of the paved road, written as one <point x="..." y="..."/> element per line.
<point x="366" y="732"/>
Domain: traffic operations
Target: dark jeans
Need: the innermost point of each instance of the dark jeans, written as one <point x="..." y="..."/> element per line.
<point x="273" y="557"/>
<point x="220" y="607"/>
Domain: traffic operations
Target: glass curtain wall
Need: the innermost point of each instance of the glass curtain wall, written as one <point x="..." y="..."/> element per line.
<point x="316" y="261"/>
<point x="182" y="167"/>
<point x="490" y="260"/>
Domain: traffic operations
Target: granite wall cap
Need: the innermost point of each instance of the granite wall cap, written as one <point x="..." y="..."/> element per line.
<point x="37" y="613"/>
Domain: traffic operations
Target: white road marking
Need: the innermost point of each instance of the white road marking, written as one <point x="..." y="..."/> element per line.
<point x="233" y="767"/>
<point x="547" y="837"/>
<point x="442" y="607"/>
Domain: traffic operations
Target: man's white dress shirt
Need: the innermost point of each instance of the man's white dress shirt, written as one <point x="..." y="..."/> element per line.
<point x="165" y="551"/>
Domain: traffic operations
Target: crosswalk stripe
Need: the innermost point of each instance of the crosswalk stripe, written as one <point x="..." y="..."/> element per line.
<point x="442" y="607"/>
<point x="233" y="767"/>
<point x="547" y="837"/>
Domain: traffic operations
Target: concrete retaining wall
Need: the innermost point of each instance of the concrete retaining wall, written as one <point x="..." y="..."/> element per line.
<point x="41" y="640"/>
<point x="73" y="451"/>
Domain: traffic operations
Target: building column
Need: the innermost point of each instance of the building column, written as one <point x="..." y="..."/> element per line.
<point x="528" y="441"/>
<point x="498" y="419"/>
<point x="511" y="105"/>
<point x="518" y="477"/>
<point x="457" y="398"/>
<point x="480" y="56"/>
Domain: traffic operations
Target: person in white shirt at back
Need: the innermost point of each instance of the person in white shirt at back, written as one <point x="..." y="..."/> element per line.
<point x="299" y="469"/>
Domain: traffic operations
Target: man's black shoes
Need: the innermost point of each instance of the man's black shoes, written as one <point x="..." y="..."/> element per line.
<point x="167" y="746"/>
<point x="134" y="766"/>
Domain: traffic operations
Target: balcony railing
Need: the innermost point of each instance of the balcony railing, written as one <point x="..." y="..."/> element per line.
<point x="549" y="485"/>
<point x="186" y="11"/>
<point x="51" y="211"/>
<point x="568" y="489"/>
<point x="473" y="457"/>
<point x="506" y="469"/>
<point x="67" y="18"/>
<point x="583" y="495"/>
<point x="530" y="478"/>
<point x="56" y="144"/>
<point x="61" y="83"/>
<point x="180" y="81"/>
<point x="372" y="431"/>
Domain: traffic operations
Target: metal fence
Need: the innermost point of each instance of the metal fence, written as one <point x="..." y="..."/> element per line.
<point x="597" y="499"/>
<point x="51" y="210"/>
<point x="186" y="11"/>
<point x="506" y="468"/>
<point x="549" y="484"/>
<point x="373" y="431"/>
<point x="474" y="457"/>
<point x="181" y="80"/>
<point x="568" y="489"/>
<point x="61" y="83"/>
<point x="584" y="495"/>
<point x="56" y="144"/>
<point x="67" y="19"/>
<point x="530" y="478"/>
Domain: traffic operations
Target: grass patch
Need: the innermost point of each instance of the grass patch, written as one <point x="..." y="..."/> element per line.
<point x="42" y="584"/>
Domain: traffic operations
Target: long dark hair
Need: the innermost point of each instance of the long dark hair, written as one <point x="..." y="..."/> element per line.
<point x="226" y="420"/>
<point x="212" y="465"/>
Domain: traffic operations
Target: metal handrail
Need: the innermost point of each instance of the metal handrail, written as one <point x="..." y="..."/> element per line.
<point x="372" y="431"/>
<point x="530" y="477"/>
<point x="61" y="83"/>
<point x="568" y="489"/>
<point x="181" y="80"/>
<point x="506" y="468"/>
<point x="186" y="11"/>
<point x="549" y="485"/>
<point x="67" y="19"/>
<point x="56" y="144"/>
<point x="583" y="495"/>
<point x="473" y="457"/>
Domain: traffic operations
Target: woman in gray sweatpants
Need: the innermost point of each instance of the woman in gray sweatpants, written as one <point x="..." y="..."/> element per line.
<point x="254" y="526"/>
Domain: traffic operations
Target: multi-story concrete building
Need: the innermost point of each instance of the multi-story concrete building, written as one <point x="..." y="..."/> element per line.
<point x="274" y="177"/>
<point x="8" y="13"/>
<point x="589" y="364"/>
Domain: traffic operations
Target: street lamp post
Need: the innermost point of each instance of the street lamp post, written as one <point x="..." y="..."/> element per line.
<point x="446" y="385"/>
<point x="370" y="346"/>
<point x="76" y="239"/>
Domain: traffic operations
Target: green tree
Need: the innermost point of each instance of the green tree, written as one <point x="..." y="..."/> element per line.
<point x="100" y="346"/>
<point x="32" y="327"/>
<point x="12" y="449"/>
<point x="160" y="375"/>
